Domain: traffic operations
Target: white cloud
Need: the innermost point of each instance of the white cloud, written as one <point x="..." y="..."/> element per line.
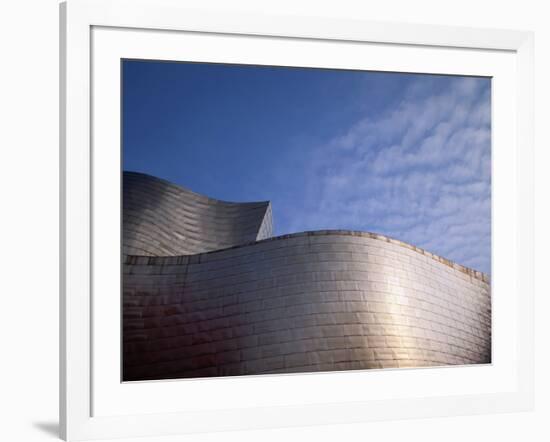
<point x="420" y="173"/>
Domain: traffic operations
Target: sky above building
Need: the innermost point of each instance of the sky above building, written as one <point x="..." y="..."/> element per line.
<point x="405" y="155"/>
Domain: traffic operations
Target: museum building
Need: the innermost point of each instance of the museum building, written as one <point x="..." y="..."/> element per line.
<point x="208" y="291"/>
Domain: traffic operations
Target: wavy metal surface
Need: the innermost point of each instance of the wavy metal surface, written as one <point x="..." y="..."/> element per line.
<point x="163" y="219"/>
<point x="314" y="301"/>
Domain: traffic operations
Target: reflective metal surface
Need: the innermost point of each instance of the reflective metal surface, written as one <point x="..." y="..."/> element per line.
<point x="160" y="218"/>
<point x="314" y="301"/>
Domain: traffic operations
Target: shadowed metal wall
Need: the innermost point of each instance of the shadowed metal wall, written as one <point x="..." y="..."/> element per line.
<point x="160" y="218"/>
<point x="315" y="301"/>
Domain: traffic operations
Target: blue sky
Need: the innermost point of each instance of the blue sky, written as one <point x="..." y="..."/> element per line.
<point x="405" y="155"/>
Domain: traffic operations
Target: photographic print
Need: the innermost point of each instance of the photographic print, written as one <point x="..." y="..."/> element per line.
<point x="284" y="220"/>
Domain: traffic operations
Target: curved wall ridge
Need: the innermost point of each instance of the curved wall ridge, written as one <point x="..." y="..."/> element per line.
<point x="321" y="301"/>
<point x="163" y="219"/>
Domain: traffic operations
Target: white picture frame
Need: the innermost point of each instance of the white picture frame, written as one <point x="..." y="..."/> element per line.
<point x="88" y="406"/>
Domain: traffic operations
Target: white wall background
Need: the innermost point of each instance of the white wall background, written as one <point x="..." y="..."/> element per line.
<point x="29" y="204"/>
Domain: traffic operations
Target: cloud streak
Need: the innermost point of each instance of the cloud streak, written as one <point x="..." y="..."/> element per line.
<point x="420" y="172"/>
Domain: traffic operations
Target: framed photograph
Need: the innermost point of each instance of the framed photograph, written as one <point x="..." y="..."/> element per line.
<point x="280" y="221"/>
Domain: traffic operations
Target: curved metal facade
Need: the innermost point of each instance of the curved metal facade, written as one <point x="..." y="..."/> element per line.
<point x="160" y="218"/>
<point x="313" y="301"/>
